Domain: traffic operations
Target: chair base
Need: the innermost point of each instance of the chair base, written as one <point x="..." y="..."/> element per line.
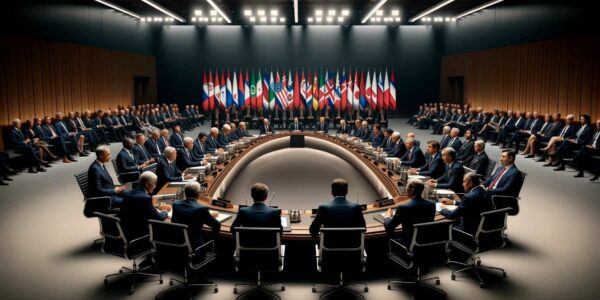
<point x="135" y="273"/>
<point x="419" y="283"/>
<point x="258" y="286"/>
<point x="187" y="287"/>
<point x="474" y="266"/>
<point x="341" y="287"/>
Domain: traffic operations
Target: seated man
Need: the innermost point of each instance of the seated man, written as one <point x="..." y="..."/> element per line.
<point x="224" y="137"/>
<point x="454" y="141"/>
<point x="322" y="126"/>
<point x="507" y="180"/>
<point x="296" y="126"/>
<point x="414" y="156"/>
<point x="470" y="206"/>
<point x="242" y="131"/>
<point x="466" y="149"/>
<point x="259" y="214"/>
<point x="343" y="129"/>
<point x="167" y="170"/>
<point x="163" y="141"/>
<point x="434" y="167"/>
<point x="195" y="215"/>
<point x="479" y="161"/>
<point x="453" y="176"/>
<point x="265" y="128"/>
<point x="127" y="163"/>
<point x="398" y="148"/>
<point x="153" y="145"/>
<point x="137" y="208"/>
<point x="387" y="144"/>
<point x="339" y="212"/>
<point x="581" y="138"/>
<point x="200" y="145"/>
<point x="582" y="159"/>
<point x="445" y="137"/>
<point x="377" y="136"/>
<point x="23" y="146"/>
<point x="100" y="182"/>
<point x="366" y="132"/>
<point x="176" y="139"/>
<point x="139" y="151"/>
<point x="186" y="157"/>
<point x="233" y="133"/>
<point x="416" y="210"/>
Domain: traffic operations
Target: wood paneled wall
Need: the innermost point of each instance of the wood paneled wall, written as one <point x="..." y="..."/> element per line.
<point x="39" y="77"/>
<point x="554" y="75"/>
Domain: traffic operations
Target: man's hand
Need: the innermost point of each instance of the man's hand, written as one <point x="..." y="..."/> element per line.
<point x="412" y="171"/>
<point x="214" y="214"/>
<point x="120" y="189"/>
<point x="164" y="207"/>
<point x="389" y="213"/>
<point x="187" y="176"/>
<point x="446" y="201"/>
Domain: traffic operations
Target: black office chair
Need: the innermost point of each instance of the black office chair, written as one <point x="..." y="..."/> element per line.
<point x="490" y="168"/>
<point x="341" y="250"/>
<point x="125" y="177"/>
<point x="502" y="201"/>
<point x="114" y="242"/>
<point x="426" y="236"/>
<point x="489" y="236"/>
<point x="94" y="204"/>
<point x="258" y="249"/>
<point x="172" y="239"/>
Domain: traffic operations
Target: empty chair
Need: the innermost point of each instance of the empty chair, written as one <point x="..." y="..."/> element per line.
<point x="114" y="242"/>
<point x="489" y="236"/>
<point x="341" y="250"/>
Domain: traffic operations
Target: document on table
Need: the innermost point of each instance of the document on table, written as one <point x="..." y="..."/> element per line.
<point x="284" y="222"/>
<point x="221" y="217"/>
<point x="178" y="183"/>
<point x="420" y="177"/>
<point x="438" y="207"/>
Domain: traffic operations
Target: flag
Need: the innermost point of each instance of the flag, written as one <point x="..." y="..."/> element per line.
<point x="252" y="91"/>
<point x="336" y="90"/>
<point x="247" y="93"/>
<point x="297" y="92"/>
<point x="315" y="91"/>
<point x="374" y="94"/>
<point x="386" y="91"/>
<point x="265" y="84"/>
<point x="280" y="91"/>
<point x="241" y="91"/>
<point x="330" y="80"/>
<point x="343" y="91"/>
<point x="223" y="90"/>
<point x="368" y="92"/>
<point x="290" y="90"/>
<point x="309" y="92"/>
<point x="363" y="91"/>
<point x="228" y="92"/>
<point x="356" y="92"/>
<point x="271" y="91"/>
<point x="211" y="91"/>
<point x="204" y="97"/>
<point x="322" y="90"/>
<point x="217" y="91"/>
<point x="234" y="90"/>
<point x="303" y="90"/>
<point x="380" y="99"/>
<point x="259" y="91"/>
<point x="393" y="92"/>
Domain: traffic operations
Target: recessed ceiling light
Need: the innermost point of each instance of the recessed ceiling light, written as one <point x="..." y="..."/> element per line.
<point x="329" y="19"/>
<point x="252" y="19"/>
<point x="260" y="12"/>
<point x="340" y="19"/>
<point x="263" y="19"/>
<point x="309" y="19"/>
<point x="247" y="12"/>
<point x="273" y="19"/>
<point x="282" y="20"/>
<point x="220" y="19"/>
<point x="149" y="20"/>
<point x="331" y="12"/>
<point x="318" y="12"/>
<point x="213" y="12"/>
<point x="395" y="12"/>
<point x="345" y="12"/>
<point x="319" y="19"/>
<point x="398" y="19"/>
<point x="213" y="19"/>
<point x="274" y="12"/>
<point x="379" y="12"/>
<point x="193" y="19"/>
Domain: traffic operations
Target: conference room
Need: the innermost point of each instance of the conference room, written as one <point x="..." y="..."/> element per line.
<point x="302" y="149"/>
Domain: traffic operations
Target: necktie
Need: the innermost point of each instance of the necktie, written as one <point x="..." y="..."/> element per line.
<point x="562" y="133"/>
<point x="543" y="127"/>
<point x="52" y="130"/>
<point x="130" y="155"/>
<point x="410" y="154"/>
<point x="443" y="139"/>
<point x="493" y="183"/>
<point x="64" y="127"/>
<point x="81" y="123"/>
<point x="143" y="152"/>
<point x="532" y="126"/>
<point x="518" y="121"/>
<point x="157" y="147"/>
<point x="596" y="139"/>
<point x="166" y="142"/>
<point x="451" y="142"/>
<point x="580" y="131"/>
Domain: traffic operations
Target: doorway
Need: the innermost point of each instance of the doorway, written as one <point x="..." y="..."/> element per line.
<point x="140" y="90"/>
<point x="456" y="89"/>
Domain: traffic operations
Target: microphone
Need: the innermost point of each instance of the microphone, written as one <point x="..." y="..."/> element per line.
<point x="356" y="197"/>
<point x="272" y="197"/>
<point x="245" y="198"/>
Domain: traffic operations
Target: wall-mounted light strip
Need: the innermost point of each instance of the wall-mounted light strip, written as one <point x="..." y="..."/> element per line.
<point x="164" y="10"/>
<point x="219" y="11"/>
<point x="295" y="11"/>
<point x="430" y="10"/>
<point x="375" y="9"/>
<point x="478" y="8"/>
<point x="116" y="7"/>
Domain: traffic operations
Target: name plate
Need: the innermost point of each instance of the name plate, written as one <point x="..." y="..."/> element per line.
<point x="221" y="203"/>
<point x="383" y="203"/>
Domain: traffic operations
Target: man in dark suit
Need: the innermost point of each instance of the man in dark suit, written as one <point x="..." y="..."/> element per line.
<point x="296" y="126"/>
<point x="453" y="176"/>
<point x="100" y="183"/>
<point x="23" y="145"/>
<point x="164" y="140"/>
<point x="200" y="146"/>
<point x="413" y="157"/>
<point x="365" y="131"/>
<point x="242" y="131"/>
<point x="127" y="163"/>
<point x="515" y="123"/>
<point x="533" y="125"/>
<point x="398" y="148"/>
<point x="176" y="139"/>
<point x="376" y="136"/>
<point x="344" y="128"/>
<point x="266" y="128"/>
<point x="454" y="141"/>
<point x="581" y="138"/>
<point x="470" y="206"/>
<point x="185" y="156"/>
<point x="137" y="208"/>
<point x="224" y="136"/>
<point x="57" y="140"/>
<point x="259" y="214"/>
<point x="195" y="215"/>
<point x="211" y="141"/>
<point x="480" y="160"/>
<point x="567" y="132"/>
<point x="167" y="170"/>
<point x="152" y="145"/>
<point x="466" y="149"/>
<point x="387" y="144"/>
<point x="582" y="159"/>
<point x="507" y="180"/>
<point x="339" y="212"/>
<point x="139" y="151"/>
<point x="416" y="210"/>
<point x="322" y="126"/>
<point x="445" y="137"/>
<point x="434" y="167"/>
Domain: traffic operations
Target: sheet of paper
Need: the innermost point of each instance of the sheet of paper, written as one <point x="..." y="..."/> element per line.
<point x="420" y="177"/>
<point x="284" y="222"/>
<point x="438" y="207"/>
<point x="178" y="183"/>
<point x="221" y="216"/>
<point x="444" y="192"/>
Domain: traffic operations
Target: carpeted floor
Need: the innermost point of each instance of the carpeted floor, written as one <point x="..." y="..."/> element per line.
<point x="46" y="253"/>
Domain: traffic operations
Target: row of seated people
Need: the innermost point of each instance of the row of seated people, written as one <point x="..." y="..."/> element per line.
<point x="563" y="138"/>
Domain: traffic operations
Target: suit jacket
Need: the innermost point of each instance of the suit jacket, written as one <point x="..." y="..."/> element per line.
<point x="127" y="163"/>
<point x="61" y="128"/>
<point x="194" y="215"/>
<point x="163" y="143"/>
<point x="176" y="140"/>
<point x="416" y="210"/>
<point x="264" y="130"/>
<point x="466" y="150"/>
<point x="199" y="149"/>
<point x="211" y="144"/>
<point x="509" y="185"/>
<point x="452" y="178"/>
<point x="223" y="140"/>
<point x="135" y="212"/>
<point x="153" y="148"/>
<point x="398" y="149"/>
<point x="186" y="159"/>
<point x="469" y="209"/>
<point x="257" y="215"/>
<point x="434" y="167"/>
<point x="376" y="140"/>
<point x="99" y="182"/>
<point x="444" y="141"/>
<point x="242" y="133"/>
<point x="585" y="135"/>
<point x="337" y="213"/>
<point x="478" y="162"/>
<point x="140" y="153"/>
<point x="299" y="126"/>
<point x="18" y="138"/>
<point x="166" y="173"/>
<point x="345" y="130"/>
<point x="322" y="127"/>
<point x="414" y="160"/>
<point x="366" y="134"/>
<point x="386" y="144"/>
<point x="455" y="143"/>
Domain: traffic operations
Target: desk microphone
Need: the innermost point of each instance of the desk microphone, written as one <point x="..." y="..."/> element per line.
<point x="272" y="197"/>
<point x="245" y="198"/>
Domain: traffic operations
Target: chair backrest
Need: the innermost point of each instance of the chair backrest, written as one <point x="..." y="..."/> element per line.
<point x="171" y="237"/>
<point x="113" y="238"/>
<point x="82" y="181"/>
<point x="490" y="232"/>
<point x="490" y="168"/>
<point x="431" y="234"/>
<point x="501" y="201"/>
<point x="342" y="249"/>
<point x="115" y="166"/>
<point x="523" y="175"/>
<point x="258" y="249"/>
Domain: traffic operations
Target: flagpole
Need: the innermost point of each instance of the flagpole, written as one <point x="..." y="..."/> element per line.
<point x="362" y="73"/>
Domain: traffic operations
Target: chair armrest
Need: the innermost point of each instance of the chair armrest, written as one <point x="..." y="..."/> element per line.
<point x="456" y="230"/>
<point x="97" y="198"/>
<point x="212" y="242"/>
<point x="147" y="236"/>
<point x="316" y="251"/>
<point x="392" y="242"/>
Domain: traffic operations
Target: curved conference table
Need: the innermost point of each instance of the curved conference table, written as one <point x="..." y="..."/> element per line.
<point x="383" y="182"/>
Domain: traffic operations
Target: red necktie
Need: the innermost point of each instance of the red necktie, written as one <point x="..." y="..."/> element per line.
<point x="497" y="178"/>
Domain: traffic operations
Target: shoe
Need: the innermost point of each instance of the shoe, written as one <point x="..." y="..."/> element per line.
<point x="578" y="175"/>
<point x="6" y="178"/>
<point x="556" y="164"/>
<point x="41" y="169"/>
<point x="548" y="164"/>
<point x="87" y="152"/>
<point x="3" y="183"/>
<point x="529" y="156"/>
<point x="45" y="164"/>
<point x="69" y="157"/>
<point x="560" y="168"/>
<point x="541" y="159"/>
<point x="66" y="161"/>
<point x="82" y="154"/>
<point x="594" y="178"/>
<point x="32" y="170"/>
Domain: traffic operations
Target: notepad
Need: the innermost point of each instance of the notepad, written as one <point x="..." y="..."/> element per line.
<point x="284" y="222"/>
<point x="420" y="177"/>
<point x="221" y="217"/>
<point x="199" y="168"/>
<point x="178" y="183"/>
<point x="438" y="207"/>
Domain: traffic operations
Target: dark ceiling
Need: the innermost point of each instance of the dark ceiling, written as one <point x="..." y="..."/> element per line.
<point x="234" y="9"/>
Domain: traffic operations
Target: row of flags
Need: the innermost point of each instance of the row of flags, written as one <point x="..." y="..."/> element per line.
<point x="274" y="90"/>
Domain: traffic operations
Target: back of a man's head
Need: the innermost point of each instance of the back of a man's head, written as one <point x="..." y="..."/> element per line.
<point x="259" y="192"/>
<point x="339" y="187"/>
